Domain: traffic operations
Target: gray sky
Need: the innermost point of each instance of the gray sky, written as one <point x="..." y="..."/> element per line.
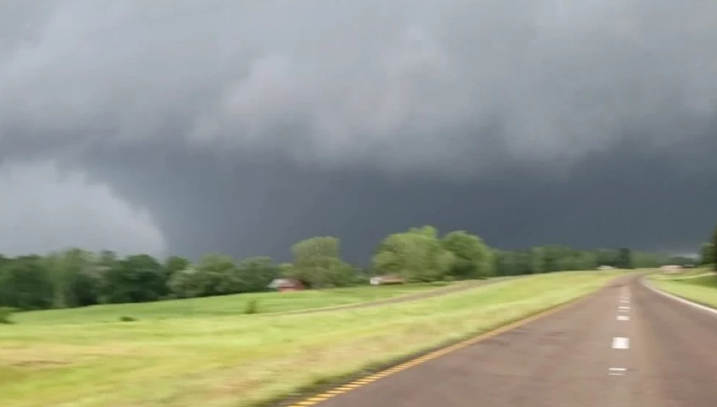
<point x="242" y="126"/>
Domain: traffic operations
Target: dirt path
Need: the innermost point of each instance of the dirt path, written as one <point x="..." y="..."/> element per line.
<point x="410" y="297"/>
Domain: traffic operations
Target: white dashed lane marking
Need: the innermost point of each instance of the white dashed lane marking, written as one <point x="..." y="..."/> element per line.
<point x="620" y="342"/>
<point x="617" y="371"/>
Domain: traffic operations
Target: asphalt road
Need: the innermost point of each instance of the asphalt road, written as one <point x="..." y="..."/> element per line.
<point x="626" y="346"/>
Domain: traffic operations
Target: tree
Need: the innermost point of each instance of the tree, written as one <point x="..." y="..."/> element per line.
<point x="473" y="259"/>
<point x="537" y="260"/>
<point x="73" y="279"/>
<point x="286" y="269"/>
<point x="586" y="261"/>
<point x="317" y="263"/>
<point x="76" y="277"/>
<point x="107" y="259"/>
<point x="624" y="258"/>
<point x="174" y="264"/>
<point x="138" y="278"/>
<point x="57" y="275"/>
<point x="25" y="284"/>
<point x="217" y="275"/>
<point x="416" y="255"/>
<point x="552" y="256"/>
<point x="186" y="283"/>
<point x="708" y="254"/>
<point x="257" y="272"/>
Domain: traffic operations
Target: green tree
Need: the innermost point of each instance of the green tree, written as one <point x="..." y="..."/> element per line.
<point x="257" y="272"/>
<point x="286" y="269"/>
<point x="107" y="259"/>
<point x="707" y="254"/>
<point x="586" y="260"/>
<point x="57" y="274"/>
<point x="25" y="284"/>
<point x="187" y="283"/>
<point x="81" y="272"/>
<point x="624" y="258"/>
<point x="416" y="255"/>
<point x="552" y="257"/>
<point x="218" y="275"/>
<point x="174" y="264"/>
<point x="537" y="260"/>
<point x="137" y="278"/>
<point x="426" y="230"/>
<point x="473" y="258"/>
<point x="317" y="263"/>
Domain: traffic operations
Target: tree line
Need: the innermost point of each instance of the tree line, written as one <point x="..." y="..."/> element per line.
<point x="77" y="278"/>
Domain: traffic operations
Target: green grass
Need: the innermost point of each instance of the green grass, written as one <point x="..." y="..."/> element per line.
<point x="230" y="305"/>
<point x="230" y="360"/>
<point x="700" y="287"/>
<point x="682" y="274"/>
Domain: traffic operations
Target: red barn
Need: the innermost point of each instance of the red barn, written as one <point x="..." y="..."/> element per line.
<point x="287" y="284"/>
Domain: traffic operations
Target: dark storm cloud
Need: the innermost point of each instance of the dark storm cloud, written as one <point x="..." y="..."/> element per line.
<point x="243" y="126"/>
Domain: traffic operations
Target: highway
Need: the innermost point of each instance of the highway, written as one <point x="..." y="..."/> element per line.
<point x="625" y="346"/>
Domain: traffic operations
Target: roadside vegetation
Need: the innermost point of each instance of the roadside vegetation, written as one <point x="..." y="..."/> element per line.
<point x="83" y="329"/>
<point x="242" y="360"/>
<point x="698" y="284"/>
<point x="77" y="278"/>
<point x="684" y="274"/>
<point x="701" y="288"/>
<point x="709" y="252"/>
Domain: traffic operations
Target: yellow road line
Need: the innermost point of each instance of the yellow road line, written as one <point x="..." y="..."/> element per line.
<point x="318" y="398"/>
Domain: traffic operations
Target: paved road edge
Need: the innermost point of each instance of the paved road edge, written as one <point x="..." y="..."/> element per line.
<point x="678" y="298"/>
<point x="390" y="368"/>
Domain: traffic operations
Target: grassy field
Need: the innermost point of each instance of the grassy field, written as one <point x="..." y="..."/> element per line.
<point x="698" y="285"/>
<point x="239" y="360"/>
<point x="229" y="305"/>
<point x="683" y="274"/>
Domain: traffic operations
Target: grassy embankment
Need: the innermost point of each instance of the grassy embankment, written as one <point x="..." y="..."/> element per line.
<point x="239" y="360"/>
<point x="699" y="285"/>
<point x="230" y="305"/>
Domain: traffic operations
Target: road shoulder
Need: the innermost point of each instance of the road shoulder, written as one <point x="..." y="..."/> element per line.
<point x="678" y="298"/>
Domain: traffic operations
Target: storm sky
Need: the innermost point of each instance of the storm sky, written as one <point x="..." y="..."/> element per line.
<point x="178" y="126"/>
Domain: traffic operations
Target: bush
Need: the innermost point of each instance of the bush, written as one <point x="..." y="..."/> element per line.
<point x="251" y="306"/>
<point x="6" y="315"/>
<point x="125" y="318"/>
